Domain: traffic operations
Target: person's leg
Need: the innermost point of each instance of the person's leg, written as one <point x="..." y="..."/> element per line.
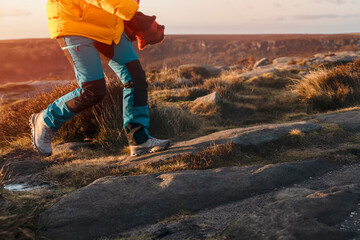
<point x="90" y="77"/>
<point x="126" y="65"/>
<point x="87" y="65"/>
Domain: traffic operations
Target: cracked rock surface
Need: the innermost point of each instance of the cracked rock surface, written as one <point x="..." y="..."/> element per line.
<point x="128" y="202"/>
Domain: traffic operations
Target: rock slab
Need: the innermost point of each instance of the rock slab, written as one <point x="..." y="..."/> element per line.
<point x="348" y="120"/>
<point x="336" y="57"/>
<point x="113" y="205"/>
<point x="261" y="62"/>
<point x="324" y="207"/>
<point x="310" y="216"/>
<point x="243" y="136"/>
<point x="212" y="98"/>
<point x="277" y="67"/>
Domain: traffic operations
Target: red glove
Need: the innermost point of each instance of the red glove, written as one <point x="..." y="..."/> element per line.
<point x="145" y="30"/>
<point x="151" y="36"/>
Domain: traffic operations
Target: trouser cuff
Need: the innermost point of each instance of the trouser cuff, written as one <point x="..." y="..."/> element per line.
<point x="136" y="133"/>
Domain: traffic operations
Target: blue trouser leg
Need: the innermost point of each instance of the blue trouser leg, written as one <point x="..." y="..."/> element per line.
<point x="84" y="55"/>
<point x="90" y="77"/>
<point x="126" y="65"/>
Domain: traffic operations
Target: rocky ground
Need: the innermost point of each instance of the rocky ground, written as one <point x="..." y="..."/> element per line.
<point x="313" y="199"/>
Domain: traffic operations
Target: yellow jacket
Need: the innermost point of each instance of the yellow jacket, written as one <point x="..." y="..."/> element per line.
<point x="101" y="20"/>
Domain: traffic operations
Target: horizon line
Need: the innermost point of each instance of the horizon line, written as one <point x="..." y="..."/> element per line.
<point x="207" y="34"/>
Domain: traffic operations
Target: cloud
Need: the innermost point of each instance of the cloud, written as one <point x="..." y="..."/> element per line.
<point x="315" y="17"/>
<point x="332" y="1"/>
<point x="13" y="12"/>
<point x="351" y="16"/>
<point x="337" y="1"/>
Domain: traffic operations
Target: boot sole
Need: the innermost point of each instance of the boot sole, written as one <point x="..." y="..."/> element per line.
<point x="144" y="151"/>
<point x="32" y="120"/>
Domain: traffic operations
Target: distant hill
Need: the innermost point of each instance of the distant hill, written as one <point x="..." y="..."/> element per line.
<point x="42" y="59"/>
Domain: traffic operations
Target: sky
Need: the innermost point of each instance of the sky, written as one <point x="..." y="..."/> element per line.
<point x="27" y="18"/>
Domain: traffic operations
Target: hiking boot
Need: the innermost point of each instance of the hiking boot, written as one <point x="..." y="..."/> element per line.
<point x="150" y="146"/>
<point x="41" y="134"/>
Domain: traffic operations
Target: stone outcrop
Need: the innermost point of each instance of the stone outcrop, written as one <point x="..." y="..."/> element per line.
<point x="285" y="60"/>
<point x="115" y="204"/>
<point x="289" y="63"/>
<point x="306" y="216"/>
<point x="131" y="201"/>
<point x="336" y="57"/>
<point x="242" y="136"/>
<point x="348" y="120"/>
<point x="261" y="62"/>
<point x="324" y="207"/>
<point x="275" y="67"/>
<point x="212" y="98"/>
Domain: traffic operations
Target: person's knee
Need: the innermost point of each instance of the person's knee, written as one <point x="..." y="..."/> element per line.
<point x="91" y="94"/>
<point x="94" y="92"/>
<point x="137" y="74"/>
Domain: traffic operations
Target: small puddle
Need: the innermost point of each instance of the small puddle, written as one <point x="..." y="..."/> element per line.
<point x="23" y="187"/>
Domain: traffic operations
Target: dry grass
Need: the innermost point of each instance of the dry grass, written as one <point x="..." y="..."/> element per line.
<point x="102" y="123"/>
<point x="296" y="132"/>
<point x="73" y="175"/>
<point x="329" y="89"/>
<point x="276" y="80"/>
<point x="204" y="109"/>
<point x="299" y="62"/>
<point x="246" y="63"/>
<point x="172" y="123"/>
<point x="108" y="116"/>
<point x="14" y="119"/>
<point x="14" y="123"/>
<point x="4" y="175"/>
<point x="162" y="79"/>
<point x="212" y="157"/>
<point x="194" y="73"/>
<point x="19" y="218"/>
<point x="226" y="84"/>
<point x="176" y="95"/>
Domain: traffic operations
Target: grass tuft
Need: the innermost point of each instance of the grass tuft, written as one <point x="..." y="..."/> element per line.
<point x="296" y="132"/>
<point x="276" y="80"/>
<point x="330" y="89"/>
<point x="172" y="122"/>
<point x="194" y="73"/>
<point x="4" y="175"/>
